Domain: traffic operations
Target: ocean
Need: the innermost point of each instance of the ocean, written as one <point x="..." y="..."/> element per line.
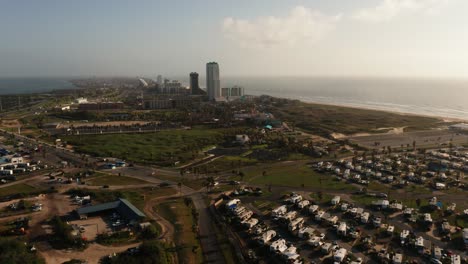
<point x="32" y="85"/>
<point x="443" y="98"/>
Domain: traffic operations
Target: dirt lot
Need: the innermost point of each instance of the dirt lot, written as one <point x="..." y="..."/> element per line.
<point x="92" y="254"/>
<point x="93" y="226"/>
<point x="429" y="138"/>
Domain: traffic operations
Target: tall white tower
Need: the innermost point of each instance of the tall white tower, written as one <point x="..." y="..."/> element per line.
<point x="213" y="86"/>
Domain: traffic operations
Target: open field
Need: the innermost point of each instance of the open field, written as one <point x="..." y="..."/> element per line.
<point x="114" y="180"/>
<point x="423" y="139"/>
<point x="19" y="188"/>
<point x="164" y="147"/>
<point x="177" y="212"/>
<point x="292" y="174"/>
<point x="326" y="119"/>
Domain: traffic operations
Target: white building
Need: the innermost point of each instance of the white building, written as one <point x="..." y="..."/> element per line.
<point x="159" y="80"/>
<point x="213" y="85"/>
<point x="232" y="92"/>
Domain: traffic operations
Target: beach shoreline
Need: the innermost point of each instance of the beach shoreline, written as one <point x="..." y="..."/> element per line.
<point x="445" y="119"/>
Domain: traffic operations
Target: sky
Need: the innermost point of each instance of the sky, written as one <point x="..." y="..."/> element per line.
<point x="385" y="38"/>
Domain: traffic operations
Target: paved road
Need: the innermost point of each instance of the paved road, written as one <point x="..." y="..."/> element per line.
<point x="208" y="239"/>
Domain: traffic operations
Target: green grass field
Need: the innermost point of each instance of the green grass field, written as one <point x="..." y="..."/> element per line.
<point x="114" y="180"/>
<point x="293" y="174"/>
<point x="19" y="188"/>
<point x="163" y="148"/>
<point x="185" y="238"/>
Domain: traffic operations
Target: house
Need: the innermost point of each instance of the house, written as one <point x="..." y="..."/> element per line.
<point x="335" y="200"/>
<point x="455" y="259"/>
<point x="279" y="211"/>
<point x="267" y="236"/>
<point x="397" y="258"/>
<point x="390" y="229"/>
<point x="314" y="241"/>
<point x="303" y="204"/>
<point x="419" y="243"/>
<point x="344" y="207"/>
<point x="232" y="204"/>
<point x="382" y="204"/>
<point x="377" y="221"/>
<point x="250" y="222"/>
<point x="290" y="254"/>
<point x="428" y="218"/>
<point x="278" y="245"/>
<point x="296" y="223"/>
<point x="340" y="255"/>
<point x="326" y="248"/>
<point x="365" y="217"/>
<point x="396" y="206"/>
<point x="290" y="215"/>
<point x="245" y="215"/>
<point x="305" y="231"/>
<point x="332" y="220"/>
<point x="313" y="208"/>
<point x="342" y="229"/>
<point x="295" y="198"/>
<point x="437" y="253"/>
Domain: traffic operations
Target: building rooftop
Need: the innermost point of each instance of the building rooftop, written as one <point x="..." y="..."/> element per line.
<point x="123" y="206"/>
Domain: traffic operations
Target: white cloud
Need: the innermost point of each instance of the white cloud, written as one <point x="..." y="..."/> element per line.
<point x="389" y="9"/>
<point x="300" y="25"/>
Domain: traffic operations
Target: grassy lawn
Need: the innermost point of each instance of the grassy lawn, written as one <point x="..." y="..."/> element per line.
<point x="326" y="198"/>
<point x="19" y="188"/>
<point x="293" y="174"/>
<point x="114" y="180"/>
<point x="227" y="163"/>
<point x="163" y="148"/>
<point x="364" y="200"/>
<point x="265" y="205"/>
<point x="185" y="238"/>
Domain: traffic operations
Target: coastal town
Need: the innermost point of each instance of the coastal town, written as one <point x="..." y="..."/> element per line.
<point x="123" y="169"/>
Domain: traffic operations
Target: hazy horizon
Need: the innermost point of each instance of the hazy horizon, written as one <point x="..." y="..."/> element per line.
<point x="265" y="38"/>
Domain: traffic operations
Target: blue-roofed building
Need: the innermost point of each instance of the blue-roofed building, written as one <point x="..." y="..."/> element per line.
<point x="122" y="206"/>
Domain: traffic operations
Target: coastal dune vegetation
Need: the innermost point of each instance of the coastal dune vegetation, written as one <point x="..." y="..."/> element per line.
<point x="327" y="119"/>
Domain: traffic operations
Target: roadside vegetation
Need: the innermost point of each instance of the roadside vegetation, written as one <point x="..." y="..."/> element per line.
<point x="13" y="251"/>
<point x="114" y="180"/>
<point x="185" y="218"/>
<point x="22" y="190"/>
<point x="151" y="252"/>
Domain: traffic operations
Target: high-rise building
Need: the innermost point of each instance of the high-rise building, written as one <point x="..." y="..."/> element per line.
<point x="213" y="86"/>
<point x="159" y="80"/>
<point x="194" y="87"/>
